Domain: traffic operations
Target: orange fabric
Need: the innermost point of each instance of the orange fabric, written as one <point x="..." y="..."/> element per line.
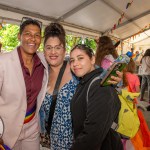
<point x="141" y="141"/>
<point x="133" y="56"/>
<point x="144" y="129"/>
<point x="137" y="142"/>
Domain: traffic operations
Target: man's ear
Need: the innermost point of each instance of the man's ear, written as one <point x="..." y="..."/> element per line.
<point x="19" y="36"/>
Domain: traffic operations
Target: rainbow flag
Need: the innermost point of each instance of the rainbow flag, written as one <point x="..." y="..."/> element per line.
<point x="29" y="115"/>
<point x="4" y="147"/>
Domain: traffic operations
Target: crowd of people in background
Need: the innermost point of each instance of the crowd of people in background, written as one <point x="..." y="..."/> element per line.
<point x="143" y="72"/>
<point x="45" y="94"/>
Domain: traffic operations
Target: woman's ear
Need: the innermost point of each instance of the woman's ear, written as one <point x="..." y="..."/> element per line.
<point x="93" y="60"/>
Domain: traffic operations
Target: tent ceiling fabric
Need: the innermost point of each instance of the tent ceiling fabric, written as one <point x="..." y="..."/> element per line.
<point x="89" y="17"/>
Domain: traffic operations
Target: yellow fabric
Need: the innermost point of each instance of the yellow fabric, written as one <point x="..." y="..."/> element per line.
<point x="128" y="122"/>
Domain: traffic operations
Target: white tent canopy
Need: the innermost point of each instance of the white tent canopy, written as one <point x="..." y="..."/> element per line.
<point x="86" y="17"/>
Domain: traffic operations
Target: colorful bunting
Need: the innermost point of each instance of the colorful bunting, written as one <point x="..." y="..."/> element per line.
<point x="142" y="30"/>
<point x="121" y="17"/>
<point x="114" y="27"/>
<point x="129" y="4"/>
<point x="119" y="21"/>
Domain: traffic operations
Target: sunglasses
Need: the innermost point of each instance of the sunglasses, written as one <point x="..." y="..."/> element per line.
<point x="28" y="19"/>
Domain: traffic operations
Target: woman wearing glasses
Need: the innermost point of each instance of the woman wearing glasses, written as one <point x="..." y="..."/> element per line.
<point x="61" y="133"/>
<point x="54" y="50"/>
<point x="23" y="81"/>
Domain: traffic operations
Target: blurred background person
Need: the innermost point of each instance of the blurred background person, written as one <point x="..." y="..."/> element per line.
<point x="130" y="79"/>
<point x="145" y="74"/>
<point x="105" y="53"/>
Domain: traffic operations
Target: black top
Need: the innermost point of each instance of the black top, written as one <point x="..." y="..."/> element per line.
<point x="92" y="122"/>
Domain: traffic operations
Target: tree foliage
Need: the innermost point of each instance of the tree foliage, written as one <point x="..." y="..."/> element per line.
<point x="8" y="36"/>
<point x="71" y="41"/>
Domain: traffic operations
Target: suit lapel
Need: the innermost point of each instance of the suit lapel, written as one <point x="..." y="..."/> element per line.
<point x="18" y="69"/>
<point x="19" y="74"/>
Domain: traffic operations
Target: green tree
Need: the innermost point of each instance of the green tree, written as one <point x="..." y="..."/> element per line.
<point x="71" y="41"/>
<point x="91" y="43"/>
<point x="8" y="36"/>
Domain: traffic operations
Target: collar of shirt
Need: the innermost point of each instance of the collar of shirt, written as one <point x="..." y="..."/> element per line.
<point x="36" y="59"/>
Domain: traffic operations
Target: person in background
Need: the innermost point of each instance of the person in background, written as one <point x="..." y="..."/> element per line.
<point x="145" y="74"/>
<point x="92" y="113"/>
<point x="105" y="53"/>
<point x="23" y="81"/>
<point x="130" y="79"/>
<point x="61" y="133"/>
<point x="132" y="50"/>
<point x="137" y="55"/>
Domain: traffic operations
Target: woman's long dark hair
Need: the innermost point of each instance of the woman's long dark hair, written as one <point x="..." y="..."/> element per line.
<point x="147" y="53"/>
<point x="105" y="47"/>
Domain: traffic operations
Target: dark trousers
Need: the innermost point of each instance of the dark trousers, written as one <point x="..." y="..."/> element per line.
<point x="145" y="83"/>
